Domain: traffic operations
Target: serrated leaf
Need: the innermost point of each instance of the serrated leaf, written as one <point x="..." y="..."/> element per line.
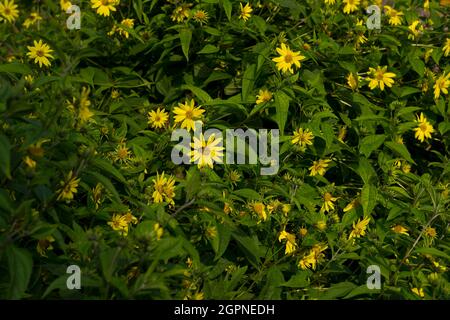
<point x="282" y="108"/>
<point x="20" y="265"/>
<point x="370" y="143"/>
<point x="185" y="39"/>
<point x="368" y="198"/>
<point x="400" y="149"/>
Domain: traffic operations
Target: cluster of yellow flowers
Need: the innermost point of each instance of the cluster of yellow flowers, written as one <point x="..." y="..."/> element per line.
<point x="121" y="222"/>
<point x="164" y="189"/>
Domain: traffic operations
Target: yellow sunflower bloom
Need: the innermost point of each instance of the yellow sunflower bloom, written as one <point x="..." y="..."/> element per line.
<point x="287" y="58"/>
<point x="424" y="129"/>
<point x="158" y="119"/>
<point x="380" y="78"/>
<point x="350" y="5"/>
<point x="359" y="228"/>
<point x="245" y="12"/>
<point x="8" y="10"/>
<point x="206" y="152"/>
<point x="187" y="114"/>
<point x="40" y="52"/>
<point x="319" y="167"/>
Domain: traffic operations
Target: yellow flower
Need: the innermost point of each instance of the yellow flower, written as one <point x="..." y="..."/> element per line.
<point x="128" y="23"/>
<point x="302" y="137"/>
<point x="359" y="228"/>
<point x="65" y="4"/>
<point x="291" y="245"/>
<point x="414" y="30"/>
<point x="32" y="19"/>
<point x="321" y="225"/>
<point x="245" y="12"/>
<point x="328" y="200"/>
<point x="395" y="18"/>
<point x="68" y="187"/>
<point x="446" y="48"/>
<point x="286" y="208"/>
<point x="84" y="113"/>
<point x="350" y="5"/>
<point x="104" y="7"/>
<point x="263" y="96"/>
<point x="273" y="205"/>
<point x="342" y="133"/>
<point x="29" y="162"/>
<point x="158" y="119"/>
<point x="180" y="13"/>
<point x="303" y="232"/>
<point x="313" y="257"/>
<point x="424" y="128"/>
<point x="361" y="38"/>
<point x="352" y="81"/>
<point x="187" y="113"/>
<point x="319" y="167"/>
<point x="380" y="78"/>
<point x="441" y="84"/>
<point x="287" y="58"/>
<point x="118" y="223"/>
<point x="200" y="16"/>
<point x="40" y="52"/>
<point x="129" y="218"/>
<point x="29" y="78"/>
<point x="260" y="209"/>
<point x="122" y="153"/>
<point x="8" y="10"/>
<point x="418" y="291"/>
<point x="164" y="189"/>
<point x="400" y="229"/>
<point x="406" y="167"/>
<point x="159" y="231"/>
<point x="353" y="204"/>
<point x="97" y="195"/>
<point x="44" y="245"/>
<point x="211" y="232"/>
<point x="330" y="2"/>
<point x="235" y="177"/>
<point x="206" y="152"/>
<point x="430" y="232"/>
<point x="198" y="296"/>
<point x="115" y="94"/>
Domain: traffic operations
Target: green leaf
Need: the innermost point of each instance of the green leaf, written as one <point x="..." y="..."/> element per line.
<point x="433" y="252"/>
<point x="109" y="168"/>
<point x="365" y="170"/>
<point x="368" y="198"/>
<point x="5" y="156"/>
<point x="282" y="108"/>
<point x="248" y="81"/>
<point x="203" y="96"/>
<point x="338" y="290"/>
<point x="15" y="67"/>
<point x="226" y="4"/>
<point x="251" y="245"/>
<point x="224" y="234"/>
<point x="370" y="143"/>
<point x="361" y="290"/>
<point x="208" y="49"/>
<point x="400" y="149"/>
<point x="298" y="281"/>
<point x="20" y="266"/>
<point x="185" y="38"/>
<point x="248" y="194"/>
